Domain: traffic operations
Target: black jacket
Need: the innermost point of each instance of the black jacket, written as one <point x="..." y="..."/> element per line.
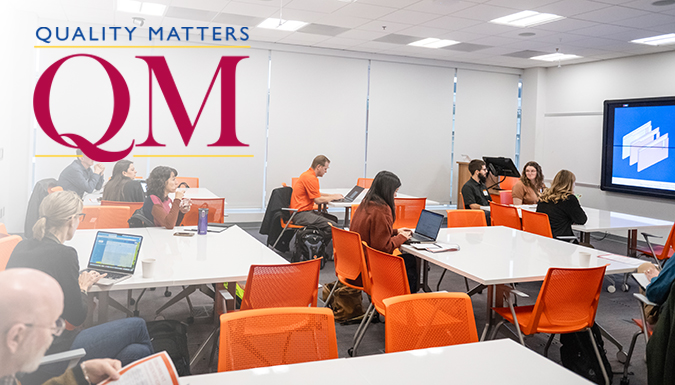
<point x="271" y="224"/>
<point x="563" y="214"/>
<point x="661" y="346"/>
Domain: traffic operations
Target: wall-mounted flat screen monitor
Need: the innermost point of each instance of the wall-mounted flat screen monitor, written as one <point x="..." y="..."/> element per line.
<point x="637" y="153"/>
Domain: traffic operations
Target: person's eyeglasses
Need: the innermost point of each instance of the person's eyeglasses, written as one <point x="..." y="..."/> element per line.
<point x="81" y="216"/>
<point x="57" y="329"/>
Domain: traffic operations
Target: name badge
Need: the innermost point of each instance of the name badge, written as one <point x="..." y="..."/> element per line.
<point x="485" y="192"/>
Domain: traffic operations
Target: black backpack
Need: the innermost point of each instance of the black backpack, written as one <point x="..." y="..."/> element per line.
<point x="577" y="355"/>
<point x="171" y="336"/>
<point x="140" y="220"/>
<point x="309" y="243"/>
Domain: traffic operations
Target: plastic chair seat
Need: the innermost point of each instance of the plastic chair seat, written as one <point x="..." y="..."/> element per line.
<point x="525" y="314"/>
<point x="658" y="249"/>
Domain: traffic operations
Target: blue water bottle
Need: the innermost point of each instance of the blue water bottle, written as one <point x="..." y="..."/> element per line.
<point x="203" y="223"/>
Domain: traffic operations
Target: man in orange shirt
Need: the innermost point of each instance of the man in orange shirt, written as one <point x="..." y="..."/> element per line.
<point x="306" y="193"/>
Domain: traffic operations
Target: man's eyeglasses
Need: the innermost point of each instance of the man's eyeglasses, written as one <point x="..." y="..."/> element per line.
<point x="57" y="329"/>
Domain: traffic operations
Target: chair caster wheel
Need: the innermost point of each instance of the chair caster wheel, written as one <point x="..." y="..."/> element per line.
<point x="350" y="352"/>
<point x="621" y="356"/>
<point x="611" y="288"/>
<point x="624" y="381"/>
<point x="167" y="294"/>
<point x="132" y="302"/>
<point x="625" y="287"/>
<point x="190" y="320"/>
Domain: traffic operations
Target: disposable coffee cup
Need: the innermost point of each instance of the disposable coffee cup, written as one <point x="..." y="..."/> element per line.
<point x="148" y="268"/>
<point x="584" y="258"/>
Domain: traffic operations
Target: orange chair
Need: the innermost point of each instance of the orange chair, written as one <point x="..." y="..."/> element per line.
<point x="567" y="303"/>
<point x="133" y="206"/>
<point x="508" y="183"/>
<point x="190" y="181"/>
<point x="90" y="217"/>
<point x="7" y="245"/>
<point x="112" y="217"/>
<point x="408" y="211"/>
<point x="428" y="320"/>
<point x="658" y="252"/>
<point x="3" y="229"/>
<point x="364" y="182"/>
<point x="350" y="261"/>
<point x="277" y="336"/>
<point x="463" y="218"/>
<point x="502" y="215"/>
<point x="353" y="210"/>
<point x="286" y="285"/>
<point x="216" y="213"/>
<point x="505" y="197"/>
<point x="536" y="223"/>
<point x="645" y="329"/>
<point x="388" y="278"/>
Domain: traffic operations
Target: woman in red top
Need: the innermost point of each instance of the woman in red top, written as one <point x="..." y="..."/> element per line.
<point x="157" y="205"/>
<point x="374" y="221"/>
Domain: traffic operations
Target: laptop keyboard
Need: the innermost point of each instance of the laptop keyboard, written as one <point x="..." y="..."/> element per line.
<point x="111" y="275"/>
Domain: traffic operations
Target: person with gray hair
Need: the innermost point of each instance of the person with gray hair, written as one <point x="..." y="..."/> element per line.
<point x="79" y="177"/>
<point x="31" y="303"/>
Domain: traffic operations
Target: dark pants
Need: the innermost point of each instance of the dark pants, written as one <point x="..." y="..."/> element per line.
<point x="317" y="219"/>
<point x="411" y="270"/>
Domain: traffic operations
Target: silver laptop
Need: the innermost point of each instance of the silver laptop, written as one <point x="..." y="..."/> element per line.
<point x="427" y="228"/>
<point x="351" y="195"/>
<point x="115" y="255"/>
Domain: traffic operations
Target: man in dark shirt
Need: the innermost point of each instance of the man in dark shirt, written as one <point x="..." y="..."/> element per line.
<point x="474" y="191"/>
<point x="79" y="177"/>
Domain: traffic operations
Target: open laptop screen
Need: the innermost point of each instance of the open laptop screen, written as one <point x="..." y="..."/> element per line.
<point x="118" y="252"/>
<point x="429" y="224"/>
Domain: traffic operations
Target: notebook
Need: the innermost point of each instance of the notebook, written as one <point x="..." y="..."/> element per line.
<point x="351" y="195"/>
<point x="427" y="228"/>
<point x="115" y="255"/>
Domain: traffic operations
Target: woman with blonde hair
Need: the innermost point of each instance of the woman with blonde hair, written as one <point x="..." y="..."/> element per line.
<point x="126" y="339"/>
<point x="526" y="191"/>
<point x="561" y="205"/>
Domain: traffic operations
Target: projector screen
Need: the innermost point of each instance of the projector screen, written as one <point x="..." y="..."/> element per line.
<point x="637" y="154"/>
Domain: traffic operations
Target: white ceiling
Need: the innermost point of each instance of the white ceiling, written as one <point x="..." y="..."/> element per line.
<point x="593" y="29"/>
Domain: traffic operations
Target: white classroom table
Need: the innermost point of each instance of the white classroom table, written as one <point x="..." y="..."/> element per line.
<point x="605" y="220"/>
<point x="500" y="255"/>
<point x="94" y="198"/>
<point x="182" y="261"/>
<point x="348" y="205"/>
<point x="506" y="361"/>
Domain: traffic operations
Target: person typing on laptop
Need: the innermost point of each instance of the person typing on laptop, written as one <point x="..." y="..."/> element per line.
<point x="125" y="339"/>
<point x="374" y="221"/>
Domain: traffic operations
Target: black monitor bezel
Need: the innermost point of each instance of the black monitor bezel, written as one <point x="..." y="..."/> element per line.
<point x="503" y="164"/>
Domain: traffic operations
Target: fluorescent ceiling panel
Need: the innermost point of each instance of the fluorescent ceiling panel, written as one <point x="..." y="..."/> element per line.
<point x="555" y="57"/>
<point x="657" y="40"/>
<point x="433" y="43"/>
<point x="527" y="19"/>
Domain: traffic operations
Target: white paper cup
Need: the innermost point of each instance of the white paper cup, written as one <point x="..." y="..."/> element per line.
<point x="584" y="258"/>
<point x="148" y="267"/>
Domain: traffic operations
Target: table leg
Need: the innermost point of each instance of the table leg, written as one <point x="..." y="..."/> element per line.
<point x="424" y="284"/>
<point x="347" y="210"/>
<point x="632" y="243"/>
<point x="103" y="297"/>
<point x="585" y="237"/>
<point x="489" y="302"/>
<point x="232" y="289"/>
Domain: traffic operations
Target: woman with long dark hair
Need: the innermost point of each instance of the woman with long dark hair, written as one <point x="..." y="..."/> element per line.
<point x="157" y="206"/>
<point x="531" y="184"/>
<point x="122" y="186"/>
<point x="374" y="221"/>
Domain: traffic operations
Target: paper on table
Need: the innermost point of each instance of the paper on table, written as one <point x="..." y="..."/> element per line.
<point x="156" y="369"/>
<point x="622" y="259"/>
<point x="435" y="247"/>
<point x="641" y="279"/>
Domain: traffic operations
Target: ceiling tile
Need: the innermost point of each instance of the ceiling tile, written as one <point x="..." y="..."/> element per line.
<point x="190" y="14"/>
<point x="423" y="31"/>
<point x="569" y="8"/>
<point x="108" y="5"/>
<point x="462" y="36"/>
<point x="303" y="39"/>
<point x="229" y="18"/>
<point x="649" y="20"/>
<point x="564" y="25"/>
<point x="363" y="35"/>
<point x="440" y="7"/>
<point x="322" y="29"/>
<point x="342" y="21"/>
<point x="365" y="11"/>
<point x="600" y="30"/>
<point x="340" y="42"/>
<point x="306" y="16"/>
<point x="484" y="12"/>
<point x="451" y="23"/>
<point x="466" y="47"/>
<point x="250" y="9"/>
<point x="409" y="17"/>
<point x="521" y="5"/>
<point x="89" y="15"/>
<point x="491" y="29"/>
<point x="390" y="27"/>
<point x="316" y="6"/>
<point x="391" y="3"/>
<point x="206" y="5"/>
<point x="495" y="41"/>
<point x="397" y="39"/>
<point x="525" y="54"/>
<point x="610" y="14"/>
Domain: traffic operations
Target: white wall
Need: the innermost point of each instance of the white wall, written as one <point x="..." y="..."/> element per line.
<point x="562" y="116"/>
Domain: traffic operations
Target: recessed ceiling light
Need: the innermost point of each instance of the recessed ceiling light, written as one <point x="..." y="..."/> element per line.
<point x="555" y="57"/>
<point x="527" y="19"/>
<point x="433" y="43"/>
<point x="132" y="6"/>
<point x="527" y="34"/>
<point x="282" y="25"/>
<point x="657" y="40"/>
<point x="661" y="3"/>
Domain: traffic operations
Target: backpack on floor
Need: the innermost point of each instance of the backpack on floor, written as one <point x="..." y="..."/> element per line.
<point x="346" y="302"/>
<point x="577" y="355"/>
<point x="309" y="244"/>
<point x="171" y="336"/>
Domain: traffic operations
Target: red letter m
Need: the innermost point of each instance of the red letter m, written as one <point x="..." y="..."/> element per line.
<point x="228" y="132"/>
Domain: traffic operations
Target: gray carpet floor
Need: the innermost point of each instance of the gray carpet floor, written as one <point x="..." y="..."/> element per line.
<point x="614" y="313"/>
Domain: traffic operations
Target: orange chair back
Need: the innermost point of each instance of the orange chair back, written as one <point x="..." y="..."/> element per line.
<point x="428" y="320"/>
<point x="90" y="217"/>
<point x="568" y="299"/>
<point x="286" y="285"/>
<point x="502" y="215"/>
<point x="3" y="229"/>
<point x="278" y="336"/>
<point x="112" y="217"/>
<point x="460" y="202"/>
<point x="466" y="218"/>
<point x="536" y="223"/>
<point x="133" y="206"/>
<point x="350" y="261"/>
<point x="408" y="211"/>
<point x="191" y="181"/>
<point x="669" y="246"/>
<point x="216" y="213"/>
<point x="388" y="277"/>
<point x="364" y="182"/>
<point x="505" y="197"/>
<point x="54" y="189"/>
<point x="508" y="183"/>
<point x="7" y="245"/>
<point x="351" y="214"/>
